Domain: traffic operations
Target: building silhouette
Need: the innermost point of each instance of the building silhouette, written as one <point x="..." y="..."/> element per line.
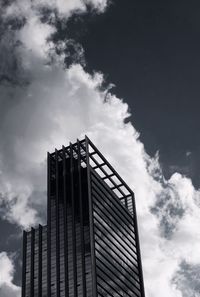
<point x="90" y="245"/>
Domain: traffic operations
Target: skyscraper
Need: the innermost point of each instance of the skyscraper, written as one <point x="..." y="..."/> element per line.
<point x="90" y="246"/>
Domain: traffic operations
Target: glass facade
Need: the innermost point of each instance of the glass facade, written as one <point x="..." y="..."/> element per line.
<point x="90" y="245"/>
<point x="115" y="246"/>
<point x="35" y="262"/>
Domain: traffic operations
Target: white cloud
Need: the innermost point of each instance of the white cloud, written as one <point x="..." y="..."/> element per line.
<point x="21" y="8"/>
<point x="99" y="5"/>
<point x="54" y="106"/>
<point x="7" y="288"/>
<point x="33" y="36"/>
<point x="187" y="279"/>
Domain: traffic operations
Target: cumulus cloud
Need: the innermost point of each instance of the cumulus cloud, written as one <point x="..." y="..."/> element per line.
<point x="44" y="105"/>
<point x="7" y="288"/>
<point x="23" y="8"/>
<point x="27" y="77"/>
<point x="187" y="279"/>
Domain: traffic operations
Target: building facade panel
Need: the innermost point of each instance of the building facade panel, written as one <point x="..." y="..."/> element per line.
<point x="69" y="232"/>
<point x="90" y="246"/>
<point x="116" y="256"/>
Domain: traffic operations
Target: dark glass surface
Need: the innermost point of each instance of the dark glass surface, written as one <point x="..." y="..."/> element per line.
<point x="115" y="247"/>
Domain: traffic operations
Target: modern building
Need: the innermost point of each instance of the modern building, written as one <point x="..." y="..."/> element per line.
<point x="90" y="246"/>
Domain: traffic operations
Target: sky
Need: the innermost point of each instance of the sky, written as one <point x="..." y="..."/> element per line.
<point x="126" y="73"/>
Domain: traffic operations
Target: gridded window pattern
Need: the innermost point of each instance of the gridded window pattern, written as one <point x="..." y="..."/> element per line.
<point x="35" y="263"/>
<point x="90" y="246"/>
<point x="115" y="246"/>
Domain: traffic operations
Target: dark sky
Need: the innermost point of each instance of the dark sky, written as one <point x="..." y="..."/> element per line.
<point x="150" y="51"/>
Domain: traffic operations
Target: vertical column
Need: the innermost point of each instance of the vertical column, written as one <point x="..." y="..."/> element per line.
<point x="40" y="262"/>
<point x="48" y="225"/>
<point x="24" y="264"/>
<point x="32" y="262"/>
<point x="65" y="224"/>
<point x="57" y="229"/>
<point x="91" y="220"/>
<point x="73" y="221"/>
<point x="81" y="221"/>
<point x="44" y="262"/>
<point x="138" y="248"/>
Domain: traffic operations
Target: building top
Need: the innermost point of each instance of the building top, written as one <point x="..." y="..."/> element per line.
<point x="89" y="154"/>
